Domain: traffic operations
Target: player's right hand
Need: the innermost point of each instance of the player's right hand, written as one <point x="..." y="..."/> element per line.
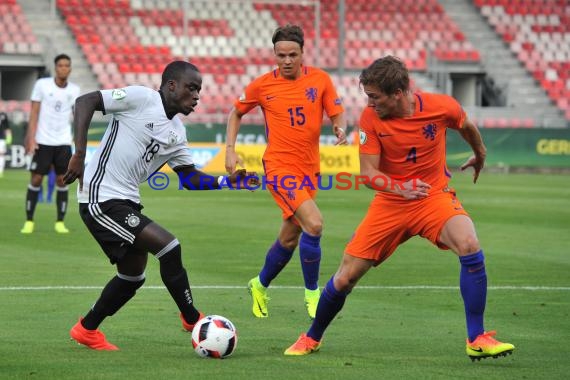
<point x="232" y="160"/>
<point x="246" y="180"/>
<point x="75" y="171"/>
<point x="31" y="146"/>
<point x="413" y="189"/>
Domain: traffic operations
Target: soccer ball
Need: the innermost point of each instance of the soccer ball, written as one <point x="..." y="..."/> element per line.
<point x="214" y="336"/>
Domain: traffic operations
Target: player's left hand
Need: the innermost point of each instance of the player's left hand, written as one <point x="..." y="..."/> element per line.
<point x="232" y="160"/>
<point x="477" y="162"/>
<point x="243" y="179"/>
<point x="340" y="135"/>
<point x="75" y="171"/>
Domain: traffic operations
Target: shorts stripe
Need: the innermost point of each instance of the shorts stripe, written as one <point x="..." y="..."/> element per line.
<point x="110" y="224"/>
<point x="100" y="171"/>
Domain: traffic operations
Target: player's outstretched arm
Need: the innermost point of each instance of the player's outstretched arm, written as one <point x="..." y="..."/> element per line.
<point x="472" y="136"/>
<point x="339" y="128"/>
<point x="193" y="179"/>
<point x="232" y="129"/>
<point x="85" y="107"/>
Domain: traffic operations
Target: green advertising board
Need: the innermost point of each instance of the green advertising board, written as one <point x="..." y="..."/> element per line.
<point x="511" y="147"/>
<point x="516" y="147"/>
<point x="535" y="147"/>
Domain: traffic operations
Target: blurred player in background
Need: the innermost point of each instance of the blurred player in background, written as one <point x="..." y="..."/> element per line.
<point x="403" y="139"/>
<point x="5" y="139"/>
<point x="143" y="135"/>
<point x="49" y="138"/>
<point x="293" y="98"/>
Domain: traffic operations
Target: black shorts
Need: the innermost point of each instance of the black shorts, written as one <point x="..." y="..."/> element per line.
<point x="115" y="224"/>
<point x="47" y="155"/>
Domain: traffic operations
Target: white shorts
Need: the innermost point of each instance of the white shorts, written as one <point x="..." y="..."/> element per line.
<point x="2" y="146"/>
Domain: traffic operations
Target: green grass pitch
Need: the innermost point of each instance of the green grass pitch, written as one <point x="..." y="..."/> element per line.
<point x="405" y="321"/>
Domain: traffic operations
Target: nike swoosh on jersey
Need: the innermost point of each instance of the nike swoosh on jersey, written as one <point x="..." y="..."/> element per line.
<point x="270" y="97"/>
<point x="384" y="135"/>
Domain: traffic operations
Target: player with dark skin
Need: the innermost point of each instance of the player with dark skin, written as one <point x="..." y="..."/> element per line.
<point x="177" y="98"/>
<point x="48" y="139"/>
<point x="179" y="93"/>
<point x="62" y="72"/>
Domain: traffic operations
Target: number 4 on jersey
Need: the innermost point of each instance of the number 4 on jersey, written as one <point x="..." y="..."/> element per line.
<point x="411" y="155"/>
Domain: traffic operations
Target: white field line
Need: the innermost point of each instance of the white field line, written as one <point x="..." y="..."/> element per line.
<point x="410" y="287"/>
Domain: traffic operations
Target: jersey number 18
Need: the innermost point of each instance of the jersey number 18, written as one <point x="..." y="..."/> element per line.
<point x="151" y="149"/>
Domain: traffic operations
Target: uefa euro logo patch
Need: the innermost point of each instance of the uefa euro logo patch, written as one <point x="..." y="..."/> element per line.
<point x="118" y="94"/>
<point x="362" y="136"/>
<point x="429" y="131"/>
<point x="311" y="93"/>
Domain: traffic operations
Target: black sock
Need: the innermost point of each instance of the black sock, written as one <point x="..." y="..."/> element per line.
<point x="116" y="293"/>
<point x="31" y="201"/>
<point x="61" y="202"/>
<point x="175" y="278"/>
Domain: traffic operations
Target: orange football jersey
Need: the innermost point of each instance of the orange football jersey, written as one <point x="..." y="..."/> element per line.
<point x="293" y="111"/>
<point x="413" y="147"/>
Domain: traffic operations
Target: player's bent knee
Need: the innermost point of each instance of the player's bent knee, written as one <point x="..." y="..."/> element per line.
<point x="169" y="251"/>
<point x="468" y="245"/>
<point x="314" y="227"/>
<point x="133" y="282"/>
<point x="170" y="258"/>
<point x="290" y="245"/>
<point x="344" y="283"/>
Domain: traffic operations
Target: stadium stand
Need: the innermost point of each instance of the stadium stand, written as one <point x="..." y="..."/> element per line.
<point x="410" y="29"/>
<point x="16" y="39"/>
<point x="129" y="42"/>
<point x="16" y="35"/>
<point x="538" y="33"/>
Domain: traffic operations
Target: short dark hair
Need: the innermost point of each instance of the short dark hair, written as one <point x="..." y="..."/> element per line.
<point x="175" y="69"/>
<point x="289" y="33"/>
<point x="388" y="74"/>
<point x="59" y="57"/>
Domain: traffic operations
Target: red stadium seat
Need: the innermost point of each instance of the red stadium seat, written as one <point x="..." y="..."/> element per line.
<point x="520" y="27"/>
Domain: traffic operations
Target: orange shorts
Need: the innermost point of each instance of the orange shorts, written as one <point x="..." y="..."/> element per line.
<point x="290" y="191"/>
<point x="388" y="224"/>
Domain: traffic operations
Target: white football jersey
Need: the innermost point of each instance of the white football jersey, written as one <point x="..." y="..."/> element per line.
<point x="138" y="141"/>
<point x="54" y="120"/>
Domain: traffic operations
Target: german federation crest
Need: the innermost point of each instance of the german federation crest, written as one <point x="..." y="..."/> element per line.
<point x="132" y="220"/>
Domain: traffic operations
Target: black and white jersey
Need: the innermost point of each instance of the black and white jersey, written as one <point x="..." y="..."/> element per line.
<point x="56" y="106"/>
<point x="138" y="141"/>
